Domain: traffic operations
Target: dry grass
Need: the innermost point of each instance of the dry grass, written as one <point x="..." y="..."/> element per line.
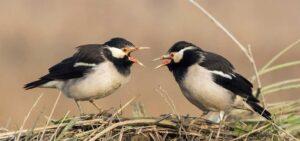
<point x="166" y="127"/>
<point x="245" y="126"/>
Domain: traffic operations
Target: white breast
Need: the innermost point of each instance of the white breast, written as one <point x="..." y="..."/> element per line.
<point x="103" y="80"/>
<point x="200" y="89"/>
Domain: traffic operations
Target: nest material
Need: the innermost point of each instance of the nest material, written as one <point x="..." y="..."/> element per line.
<point x="108" y="127"/>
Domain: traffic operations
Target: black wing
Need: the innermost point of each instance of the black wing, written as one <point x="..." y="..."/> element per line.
<point x="216" y="62"/>
<point x="66" y="69"/>
<point x="235" y="82"/>
<point x="242" y="87"/>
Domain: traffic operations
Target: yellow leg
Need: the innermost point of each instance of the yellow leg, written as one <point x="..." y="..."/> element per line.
<point x="79" y="107"/>
<point x="92" y="101"/>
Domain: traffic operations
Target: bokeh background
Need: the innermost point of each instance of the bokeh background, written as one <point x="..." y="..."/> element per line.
<point x="35" y="34"/>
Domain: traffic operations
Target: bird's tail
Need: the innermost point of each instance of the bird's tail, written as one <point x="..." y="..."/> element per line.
<point x="35" y="84"/>
<point x="260" y="110"/>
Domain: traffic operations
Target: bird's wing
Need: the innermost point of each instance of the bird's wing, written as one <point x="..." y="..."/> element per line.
<point x="215" y="62"/>
<point x="224" y="75"/>
<point x="87" y="57"/>
<point x="237" y="84"/>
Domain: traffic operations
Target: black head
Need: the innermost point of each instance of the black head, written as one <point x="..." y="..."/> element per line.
<point x="118" y="43"/>
<point x="183" y="54"/>
<point x="118" y="51"/>
<point x="179" y="46"/>
<point x="180" y="56"/>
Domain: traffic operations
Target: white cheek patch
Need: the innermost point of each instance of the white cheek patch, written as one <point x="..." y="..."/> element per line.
<point x="117" y="53"/>
<point x="179" y="55"/>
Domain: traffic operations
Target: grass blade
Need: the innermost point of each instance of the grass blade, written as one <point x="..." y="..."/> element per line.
<point x="280" y="66"/>
<point x="52" y="111"/>
<point x="280" y="54"/>
<point x="27" y="116"/>
<point x="280" y="84"/>
<point x="294" y="86"/>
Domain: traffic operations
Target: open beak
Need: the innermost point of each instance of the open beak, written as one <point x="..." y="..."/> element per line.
<point x="133" y="59"/>
<point x="166" y="59"/>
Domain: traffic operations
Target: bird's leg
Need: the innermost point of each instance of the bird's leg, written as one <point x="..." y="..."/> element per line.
<point x="100" y="110"/>
<point x="79" y="107"/>
<point x="222" y="114"/>
<point x="221" y="123"/>
<point x="204" y="113"/>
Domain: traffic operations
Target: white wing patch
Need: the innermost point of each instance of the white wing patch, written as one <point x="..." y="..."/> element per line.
<point x="84" y="64"/>
<point x="222" y="74"/>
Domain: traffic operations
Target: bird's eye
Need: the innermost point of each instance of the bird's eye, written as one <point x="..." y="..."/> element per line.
<point x="124" y="49"/>
<point x="172" y="54"/>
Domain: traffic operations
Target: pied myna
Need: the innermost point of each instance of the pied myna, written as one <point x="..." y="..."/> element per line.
<point x="208" y="80"/>
<point x="94" y="71"/>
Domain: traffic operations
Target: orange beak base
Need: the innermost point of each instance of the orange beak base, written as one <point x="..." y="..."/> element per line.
<point x="165" y="61"/>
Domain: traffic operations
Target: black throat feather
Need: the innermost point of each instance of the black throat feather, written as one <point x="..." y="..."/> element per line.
<point x="189" y="58"/>
<point x="122" y="64"/>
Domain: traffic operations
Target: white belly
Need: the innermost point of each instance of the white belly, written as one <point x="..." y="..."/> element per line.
<point x="200" y="89"/>
<point x="103" y="81"/>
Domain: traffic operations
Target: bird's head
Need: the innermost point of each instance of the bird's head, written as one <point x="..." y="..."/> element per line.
<point x="120" y="51"/>
<point x="182" y="54"/>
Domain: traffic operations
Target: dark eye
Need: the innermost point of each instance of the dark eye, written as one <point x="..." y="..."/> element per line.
<point x="172" y="54"/>
<point x="124" y="49"/>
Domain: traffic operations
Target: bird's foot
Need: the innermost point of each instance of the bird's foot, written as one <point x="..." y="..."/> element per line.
<point x="82" y="114"/>
<point x="104" y="113"/>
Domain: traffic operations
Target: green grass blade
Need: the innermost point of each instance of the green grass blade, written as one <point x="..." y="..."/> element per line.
<point x="280" y="84"/>
<point x="280" y="66"/>
<point x="280" y="54"/>
<point x="293" y="86"/>
<point x="68" y="127"/>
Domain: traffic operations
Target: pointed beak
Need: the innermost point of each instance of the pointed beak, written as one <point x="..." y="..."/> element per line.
<point x="133" y="59"/>
<point x="132" y="49"/>
<point x="166" y="59"/>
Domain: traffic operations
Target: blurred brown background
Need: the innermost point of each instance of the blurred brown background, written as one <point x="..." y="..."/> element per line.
<point x="36" y="34"/>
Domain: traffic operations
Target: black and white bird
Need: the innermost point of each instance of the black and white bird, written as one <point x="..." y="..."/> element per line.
<point x="208" y="80"/>
<point x="94" y="71"/>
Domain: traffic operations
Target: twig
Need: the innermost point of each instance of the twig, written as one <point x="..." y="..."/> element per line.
<point x="121" y="134"/>
<point x="79" y="123"/>
<point x="242" y="47"/>
<point x="62" y="121"/>
<point x="256" y="75"/>
<point x="284" y="131"/>
<point x="129" y="122"/>
<point x="49" y="119"/>
<point x="118" y="111"/>
<point x="255" y="126"/>
<point x="164" y="94"/>
<point x="221" y="27"/>
<point x="27" y="116"/>
<point x="249" y="133"/>
<point x="281" y="129"/>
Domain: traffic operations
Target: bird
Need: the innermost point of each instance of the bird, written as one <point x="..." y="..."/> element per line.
<point x="93" y="72"/>
<point x="208" y="80"/>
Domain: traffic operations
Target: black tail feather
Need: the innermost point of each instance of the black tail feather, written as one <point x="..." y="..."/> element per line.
<point x="260" y="110"/>
<point x="35" y="84"/>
